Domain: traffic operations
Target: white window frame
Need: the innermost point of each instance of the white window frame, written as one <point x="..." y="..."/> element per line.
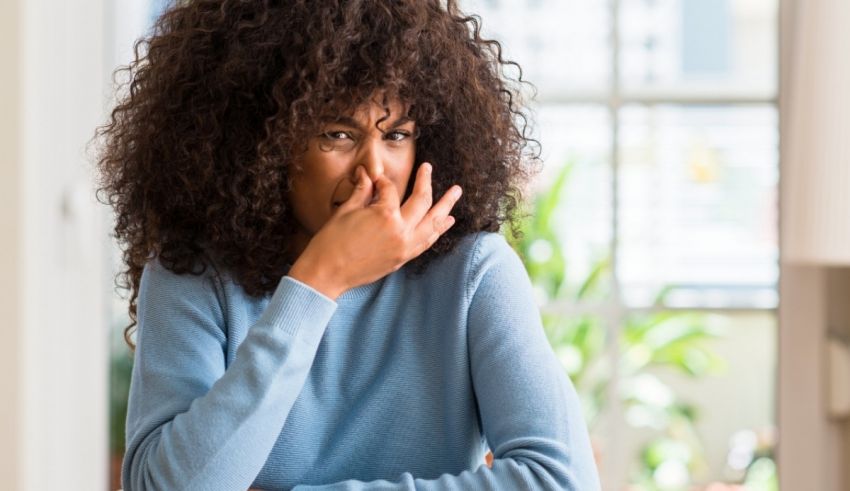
<point x="612" y="310"/>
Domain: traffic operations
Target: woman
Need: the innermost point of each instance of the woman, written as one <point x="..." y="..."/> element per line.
<point x="316" y="305"/>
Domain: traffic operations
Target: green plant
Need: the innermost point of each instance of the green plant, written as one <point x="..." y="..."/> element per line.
<point x="120" y="370"/>
<point x="751" y="460"/>
<point x="667" y="340"/>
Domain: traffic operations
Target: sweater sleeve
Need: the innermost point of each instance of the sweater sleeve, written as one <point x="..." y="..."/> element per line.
<point x="530" y="412"/>
<point x="191" y="424"/>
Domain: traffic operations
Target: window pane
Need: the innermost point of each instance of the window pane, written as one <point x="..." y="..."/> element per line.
<point x="562" y="45"/>
<point x="580" y="344"/>
<point x="698" y="394"/>
<point x="699" y="47"/>
<point x="698" y="205"/>
<point x="573" y="218"/>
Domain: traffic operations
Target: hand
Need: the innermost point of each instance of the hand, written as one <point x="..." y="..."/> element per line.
<point x="361" y="243"/>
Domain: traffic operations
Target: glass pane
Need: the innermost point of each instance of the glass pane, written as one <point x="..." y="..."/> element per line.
<point x="156" y="8"/>
<point x="120" y="369"/>
<point x="699" y="47"/>
<point x="679" y="372"/>
<point x="567" y="239"/>
<point x="562" y="45"/>
<point x="566" y="247"/>
<point x="580" y="344"/>
<point x="698" y="206"/>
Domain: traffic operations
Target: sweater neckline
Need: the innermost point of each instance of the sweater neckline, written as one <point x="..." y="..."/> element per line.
<point x="361" y="291"/>
<point x="356" y="292"/>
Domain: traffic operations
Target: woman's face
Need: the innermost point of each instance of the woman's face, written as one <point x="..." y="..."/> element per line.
<point x="328" y="175"/>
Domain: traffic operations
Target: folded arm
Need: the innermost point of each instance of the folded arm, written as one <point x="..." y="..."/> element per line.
<point x="530" y="412"/>
<point x="191" y="424"/>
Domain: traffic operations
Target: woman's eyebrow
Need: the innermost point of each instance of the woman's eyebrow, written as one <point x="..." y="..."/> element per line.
<point x="400" y="121"/>
<point x="349" y="121"/>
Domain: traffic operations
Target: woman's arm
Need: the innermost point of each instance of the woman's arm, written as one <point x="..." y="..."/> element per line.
<point x="190" y="423"/>
<point x="530" y="412"/>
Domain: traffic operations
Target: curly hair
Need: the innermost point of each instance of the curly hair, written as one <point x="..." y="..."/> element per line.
<point x="196" y="157"/>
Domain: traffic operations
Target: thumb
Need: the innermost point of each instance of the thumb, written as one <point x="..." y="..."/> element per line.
<point x="362" y="194"/>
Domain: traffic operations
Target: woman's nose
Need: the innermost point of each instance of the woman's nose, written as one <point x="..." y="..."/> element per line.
<point x="371" y="158"/>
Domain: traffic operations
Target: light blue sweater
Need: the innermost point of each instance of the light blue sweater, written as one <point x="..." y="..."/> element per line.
<point x="400" y="384"/>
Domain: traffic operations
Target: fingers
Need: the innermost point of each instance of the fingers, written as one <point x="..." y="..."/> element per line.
<point x="444" y="206"/>
<point x="362" y="194"/>
<point x="437" y="220"/>
<point x="426" y="220"/>
<point x="421" y="198"/>
<point x="387" y="192"/>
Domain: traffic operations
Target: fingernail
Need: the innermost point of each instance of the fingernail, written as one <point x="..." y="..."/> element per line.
<point x="427" y="167"/>
<point x="456" y="192"/>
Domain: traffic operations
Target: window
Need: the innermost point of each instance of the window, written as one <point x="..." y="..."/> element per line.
<point x="662" y="117"/>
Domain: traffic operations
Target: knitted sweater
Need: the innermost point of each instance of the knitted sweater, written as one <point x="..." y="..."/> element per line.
<point x="400" y="384"/>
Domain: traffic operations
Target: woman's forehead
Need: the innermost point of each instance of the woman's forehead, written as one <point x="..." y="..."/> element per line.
<point x="372" y="109"/>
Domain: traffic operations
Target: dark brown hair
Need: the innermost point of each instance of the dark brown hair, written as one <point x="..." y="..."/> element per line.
<point x="224" y="94"/>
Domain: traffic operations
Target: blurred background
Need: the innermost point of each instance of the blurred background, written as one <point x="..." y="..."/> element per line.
<point x="706" y="332"/>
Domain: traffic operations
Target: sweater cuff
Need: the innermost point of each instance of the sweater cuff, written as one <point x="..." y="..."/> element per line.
<point x="296" y="305"/>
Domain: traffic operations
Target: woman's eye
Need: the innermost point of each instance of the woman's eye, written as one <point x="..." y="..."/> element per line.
<point x="335" y="135"/>
<point x="397" y="136"/>
<point x="336" y="140"/>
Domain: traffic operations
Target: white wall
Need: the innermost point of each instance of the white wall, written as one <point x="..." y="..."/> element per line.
<point x="812" y="454"/>
<point x="814" y="449"/>
<point x="11" y="251"/>
<point x="53" y="429"/>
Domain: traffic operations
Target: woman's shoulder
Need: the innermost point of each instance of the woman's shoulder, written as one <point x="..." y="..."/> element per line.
<point x="479" y="254"/>
<point x="201" y="282"/>
<point x="468" y="251"/>
<point x="478" y="246"/>
<point x="488" y="244"/>
<point x="485" y="250"/>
